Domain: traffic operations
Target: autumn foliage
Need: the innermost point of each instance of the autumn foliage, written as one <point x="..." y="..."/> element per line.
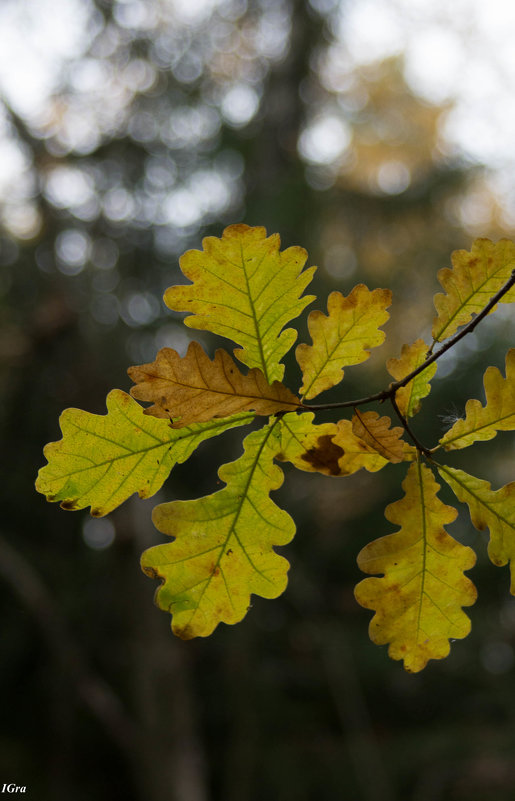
<point x="222" y="550"/>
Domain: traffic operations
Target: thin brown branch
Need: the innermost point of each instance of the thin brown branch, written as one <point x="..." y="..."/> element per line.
<point x="418" y="445"/>
<point x="396" y="385"/>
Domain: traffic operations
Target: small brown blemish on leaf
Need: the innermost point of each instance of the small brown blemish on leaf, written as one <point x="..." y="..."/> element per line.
<point x="229" y="552"/>
<point x="151" y="572"/>
<point x="69" y="505"/>
<point x="96" y="512"/>
<point x="324" y="456"/>
<point x="185" y="632"/>
<point x="216" y="571"/>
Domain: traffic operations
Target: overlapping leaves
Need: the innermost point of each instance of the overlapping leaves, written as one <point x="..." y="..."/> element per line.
<point x="102" y="460"/>
<point x="222" y="549"/>
<point x="245" y="289"/>
<point x="195" y="389"/>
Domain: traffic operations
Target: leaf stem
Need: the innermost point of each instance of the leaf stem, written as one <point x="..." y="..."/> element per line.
<point x="418" y="445"/>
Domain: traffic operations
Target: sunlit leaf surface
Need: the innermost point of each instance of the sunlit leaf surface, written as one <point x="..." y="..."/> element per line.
<point x="418" y="601"/>
<point x="103" y="459"/>
<point x="474" y="279"/>
<point x="342" y="337"/>
<point x="194" y="389"/>
<point x="244" y="288"/>
<point x="492" y="509"/>
<point x="483" y="422"/>
<point x="223" y="551"/>
<point x="377" y="433"/>
<point x="409" y="398"/>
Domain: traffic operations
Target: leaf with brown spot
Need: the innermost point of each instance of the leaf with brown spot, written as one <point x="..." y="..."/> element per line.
<point x="375" y="431"/>
<point x="308" y="446"/>
<point x="490" y="509"/>
<point x="472" y="282"/>
<point x="329" y="448"/>
<point x="342" y="337"/>
<point x="194" y="389"/>
<point x="418" y="601"/>
<point x="409" y="398"/>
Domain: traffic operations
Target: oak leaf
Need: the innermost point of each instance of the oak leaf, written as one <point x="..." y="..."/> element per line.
<point x="375" y="431"/>
<point x="194" y="389"/>
<point x="245" y="289"/>
<point x="474" y="279"/>
<point x="357" y="453"/>
<point x="102" y="460"/>
<point x="490" y="509"/>
<point x="343" y="337"/>
<point x="418" y="601"/>
<point x="498" y="414"/>
<point x="223" y="549"/>
<point x="409" y="397"/>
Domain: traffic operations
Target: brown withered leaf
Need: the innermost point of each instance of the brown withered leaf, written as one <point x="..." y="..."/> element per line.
<point x="376" y="432"/>
<point x="194" y="389"/>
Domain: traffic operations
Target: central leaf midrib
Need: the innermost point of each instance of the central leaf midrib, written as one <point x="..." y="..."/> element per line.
<point x="469" y="297"/>
<point x="330" y="353"/>
<point x="232" y="528"/>
<point x="254" y="316"/>
<point x="424" y="547"/>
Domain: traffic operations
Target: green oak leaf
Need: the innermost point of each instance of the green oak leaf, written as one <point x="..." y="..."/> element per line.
<point x="103" y="459"/>
<point x="223" y="549"/>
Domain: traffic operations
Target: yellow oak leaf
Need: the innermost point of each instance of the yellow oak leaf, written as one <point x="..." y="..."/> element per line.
<point x="490" y="509"/>
<point x="102" y="460"/>
<point x="223" y="551"/>
<point x="498" y="414"/>
<point x="474" y="279"/>
<point x="245" y="289"/>
<point x="357" y="453"/>
<point x="418" y="601"/>
<point x="409" y="397"/>
<point x="375" y="431"/>
<point x="194" y="389"/>
<point x="342" y="337"/>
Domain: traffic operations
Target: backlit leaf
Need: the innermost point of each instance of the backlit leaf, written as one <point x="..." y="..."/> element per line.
<point x="245" y="289"/>
<point x="375" y="431"/>
<point x="328" y="448"/>
<point x="490" y="509"/>
<point x="194" y="389"/>
<point x="474" y="279"/>
<point x="357" y="453"/>
<point x="418" y="601"/>
<point x="223" y="549"/>
<point x="498" y="414"/>
<point x="103" y="459"/>
<point x="308" y="446"/>
<point x="342" y="337"/>
<point x="409" y="398"/>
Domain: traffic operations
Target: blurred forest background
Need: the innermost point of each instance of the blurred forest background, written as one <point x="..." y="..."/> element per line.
<point x="378" y="135"/>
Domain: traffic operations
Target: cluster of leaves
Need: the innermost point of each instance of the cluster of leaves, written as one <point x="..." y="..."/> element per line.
<point x="244" y="288"/>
